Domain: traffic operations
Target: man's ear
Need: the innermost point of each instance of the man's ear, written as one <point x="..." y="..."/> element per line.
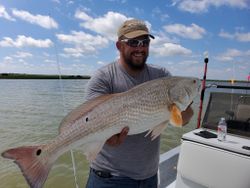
<point x="118" y="45"/>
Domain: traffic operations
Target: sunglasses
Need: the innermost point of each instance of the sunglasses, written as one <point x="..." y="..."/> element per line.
<point x="136" y="42"/>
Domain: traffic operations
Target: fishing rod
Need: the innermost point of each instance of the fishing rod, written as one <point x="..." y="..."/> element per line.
<point x="63" y="101"/>
<point x="202" y="92"/>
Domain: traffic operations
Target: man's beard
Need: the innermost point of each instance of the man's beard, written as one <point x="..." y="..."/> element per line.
<point x="133" y="65"/>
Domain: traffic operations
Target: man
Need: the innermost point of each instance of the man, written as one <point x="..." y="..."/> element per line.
<point x="127" y="161"/>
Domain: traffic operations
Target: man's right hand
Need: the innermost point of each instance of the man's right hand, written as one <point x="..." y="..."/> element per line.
<point x="119" y="138"/>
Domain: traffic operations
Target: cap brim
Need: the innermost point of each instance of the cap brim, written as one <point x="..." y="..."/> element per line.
<point x="138" y="33"/>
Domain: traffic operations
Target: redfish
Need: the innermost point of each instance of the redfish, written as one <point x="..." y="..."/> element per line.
<point x="146" y="107"/>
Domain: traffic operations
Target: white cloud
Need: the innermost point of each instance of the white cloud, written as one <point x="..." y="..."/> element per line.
<point x="231" y="54"/>
<point x="241" y="37"/>
<point x="23" y="54"/>
<point x="157" y="13"/>
<point x="106" y="25"/>
<point x="23" y="62"/>
<point x="192" y="32"/>
<point x="82" y="16"/>
<point x="7" y="59"/>
<point x="41" y="20"/>
<point x="138" y="10"/>
<point x="50" y="61"/>
<point x="194" y="6"/>
<point x="78" y="51"/>
<point x="83" y="43"/>
<point x="70" y="2"/>
<point x="226" y="35"/>
<point x="189" y="62"/>
<point x="184" y="68"/>
<point x="23" y="41"/>
<point x="248" y="53"/>
<point x="82" y="38"/>
<point x="4" y="14"/>
<point x="118" y="1"/>
<point x="164" y="46"/>
<point x="169" y="49"/>
<point x="56" y="1"/>
<point x="101" y="63"/>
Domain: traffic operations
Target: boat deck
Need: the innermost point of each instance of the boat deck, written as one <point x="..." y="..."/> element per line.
<point x="168" y="167"/>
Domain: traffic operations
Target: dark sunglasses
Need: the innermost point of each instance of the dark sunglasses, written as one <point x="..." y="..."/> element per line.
<point x="136" y="42"/>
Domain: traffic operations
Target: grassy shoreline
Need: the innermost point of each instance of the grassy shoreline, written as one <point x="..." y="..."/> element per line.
<point x="54" y="76"/>
<point x="40" y="76"/>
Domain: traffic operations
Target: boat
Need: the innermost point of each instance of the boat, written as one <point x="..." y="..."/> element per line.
<point x="202" y="161"/>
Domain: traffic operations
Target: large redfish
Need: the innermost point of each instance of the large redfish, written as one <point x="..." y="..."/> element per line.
<point x="146" y="107"/>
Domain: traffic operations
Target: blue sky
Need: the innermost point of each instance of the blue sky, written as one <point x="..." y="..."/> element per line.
<point x="78" y="37"/>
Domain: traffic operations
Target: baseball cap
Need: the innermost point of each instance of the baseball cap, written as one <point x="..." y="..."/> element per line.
<point x="133" y="28"/>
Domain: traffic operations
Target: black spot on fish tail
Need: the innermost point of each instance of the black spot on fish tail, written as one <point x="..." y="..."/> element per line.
<point x="38" y="152"/>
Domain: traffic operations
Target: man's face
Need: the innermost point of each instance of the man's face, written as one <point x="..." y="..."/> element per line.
<point x="135" y="51"/>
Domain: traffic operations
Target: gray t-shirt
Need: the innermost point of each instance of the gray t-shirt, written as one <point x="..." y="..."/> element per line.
<point x="137" y="157"/>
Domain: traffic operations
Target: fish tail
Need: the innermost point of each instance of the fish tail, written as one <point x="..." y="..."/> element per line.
<point x="33" y="162"/>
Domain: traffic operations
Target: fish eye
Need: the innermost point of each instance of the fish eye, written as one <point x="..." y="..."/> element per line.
<point x="87" y="119"/>
<point x="194" y="81"/>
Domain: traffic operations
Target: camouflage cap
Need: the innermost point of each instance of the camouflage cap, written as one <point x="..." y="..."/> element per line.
<point x="133" y="28"/>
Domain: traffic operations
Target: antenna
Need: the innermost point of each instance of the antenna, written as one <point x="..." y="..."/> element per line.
<point x="203" y="88"/>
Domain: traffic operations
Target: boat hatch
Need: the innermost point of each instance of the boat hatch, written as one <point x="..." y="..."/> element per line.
<point x="234" y="107"/>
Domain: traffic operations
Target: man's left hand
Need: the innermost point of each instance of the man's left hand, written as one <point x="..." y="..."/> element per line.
<point x="187" y="115"/>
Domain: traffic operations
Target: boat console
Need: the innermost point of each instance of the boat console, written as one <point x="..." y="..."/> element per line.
<point x="206" y="162"/>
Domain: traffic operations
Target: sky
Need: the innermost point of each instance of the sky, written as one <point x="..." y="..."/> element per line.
<point x="78" y="37"/>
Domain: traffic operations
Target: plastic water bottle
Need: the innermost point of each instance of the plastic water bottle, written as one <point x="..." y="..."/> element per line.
<point x="222" y="129"/>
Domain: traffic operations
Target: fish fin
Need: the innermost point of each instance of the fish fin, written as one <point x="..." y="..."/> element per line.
<point x="175" y="116"/>
<point x="92" y="149"/>
<point x="82" y="110"/>
<point x="157" y="130"/>
<point x="34" y="167"/>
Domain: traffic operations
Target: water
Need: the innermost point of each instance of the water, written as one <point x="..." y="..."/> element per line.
<point x="30" y="114"/>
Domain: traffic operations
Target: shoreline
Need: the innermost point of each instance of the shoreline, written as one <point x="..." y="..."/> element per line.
<point x="54" y="76"/>
<point x="40" y="76"/>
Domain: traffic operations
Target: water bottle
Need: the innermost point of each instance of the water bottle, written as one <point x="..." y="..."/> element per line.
<point x="222" y="129"/>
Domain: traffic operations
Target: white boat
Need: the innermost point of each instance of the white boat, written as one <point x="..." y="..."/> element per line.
<point x="202" y="161"/>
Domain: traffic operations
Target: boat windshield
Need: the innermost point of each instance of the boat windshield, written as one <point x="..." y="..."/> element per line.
<point x="235" y="107"/>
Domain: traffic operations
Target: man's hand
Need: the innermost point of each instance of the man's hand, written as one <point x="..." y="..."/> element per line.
<point x="187" y="115"/>
<point x="117" y="139"/>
